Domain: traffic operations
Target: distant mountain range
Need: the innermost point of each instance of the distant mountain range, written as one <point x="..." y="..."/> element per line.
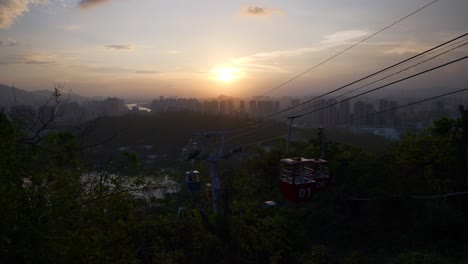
<point x="33" y="98"/>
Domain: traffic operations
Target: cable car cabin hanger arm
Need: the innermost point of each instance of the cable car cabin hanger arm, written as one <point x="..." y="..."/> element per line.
<point x="301" y="177"/>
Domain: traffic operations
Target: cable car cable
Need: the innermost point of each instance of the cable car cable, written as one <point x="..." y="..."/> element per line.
<point x="391" y="83"/>
<point x="348" y="48"/>
<point x="429" y="51"/>
<point x="369" y="115"/>
<point x="352" y="46"/>
<point x="301" y="177"/>
<point x="395" y="73"/>
<point x="405" y="105"/>
<point x="355" y="96"/>
<point x="426" y="52"/>
<point x="366" y="77"/>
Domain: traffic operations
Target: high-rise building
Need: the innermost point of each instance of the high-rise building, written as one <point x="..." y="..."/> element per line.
<point x="241" y="106"/>
<point x="343" y="112"/>
<point x="211" y="107"/>
<point x="368" y="118"/>
<point x="392" y="114"/>
<point x="253" y="108"/>
<point x="230" y="106"/>
<point x="294" y="102"/>
<point x="222" y="108"/>
<point x="359" y="113"/>
<point x="382" y="117"/>
<point x="330" y="113"/>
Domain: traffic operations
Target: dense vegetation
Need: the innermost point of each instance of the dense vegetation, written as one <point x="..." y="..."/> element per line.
<point x="51" y="213"/>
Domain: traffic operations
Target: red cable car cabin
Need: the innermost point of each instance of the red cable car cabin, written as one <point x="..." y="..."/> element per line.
<point x="300" y="177"/>
<point x="321" y="175"/>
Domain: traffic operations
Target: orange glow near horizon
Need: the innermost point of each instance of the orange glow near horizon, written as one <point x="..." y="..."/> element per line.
<point x="227" y="74"/>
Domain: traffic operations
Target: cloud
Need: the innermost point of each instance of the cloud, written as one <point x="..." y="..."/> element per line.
<point x="109" y="69"/>
<point x="10" y="9"/>
<point x="104" y="69"/>
<point x="87" y="4"/>
<point x="71" y="28"/>
<point x="266" y="61"/>
<point x="120" y="47"/>
<point x="406" y="47"/>
<point x="255" y="10"/>
<point x="31" y="59"/>
<point x="37" y="58"/>
<point x="173" y="52"/>
<point x="112" y="70"/>
<point x="147" y="72"/>
<point x="341" y="37"/>
<point x="260" y="11"/>
<point x="9" y="43"/>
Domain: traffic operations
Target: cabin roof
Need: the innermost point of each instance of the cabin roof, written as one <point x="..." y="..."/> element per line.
<point x="298" y="160"/>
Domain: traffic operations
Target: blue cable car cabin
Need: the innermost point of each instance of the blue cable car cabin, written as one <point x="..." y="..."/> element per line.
<point x="300" y="178"/>
<point x="192" y="180"/>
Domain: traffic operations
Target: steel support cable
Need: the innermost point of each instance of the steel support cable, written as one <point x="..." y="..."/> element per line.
<point x="355" y="96"/>
<point x="405" y="69"/>
<point x="418" y="197"/>
<point x="372" y="114"/>
<point x="388" y="84"/>
<point x="401" y="106"/>
<point x="253" y="131"/>
<point x="256" y="122"/>
<point x="348" y="48"/>
<point x="393" y="74"/>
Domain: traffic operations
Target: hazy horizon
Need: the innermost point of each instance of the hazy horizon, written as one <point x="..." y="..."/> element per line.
<point x="204" y="48"/>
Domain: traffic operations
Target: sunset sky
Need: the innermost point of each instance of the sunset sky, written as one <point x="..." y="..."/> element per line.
<point x="200" y="48"/>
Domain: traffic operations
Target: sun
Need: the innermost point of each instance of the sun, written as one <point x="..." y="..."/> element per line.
<point x="227" y="74"/>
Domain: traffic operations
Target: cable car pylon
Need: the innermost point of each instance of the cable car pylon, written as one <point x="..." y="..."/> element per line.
<point x="291" y="119"/>
<point x="213" y="159"/>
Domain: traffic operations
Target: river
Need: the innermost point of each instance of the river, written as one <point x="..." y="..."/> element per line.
<point x="141" y="108"/>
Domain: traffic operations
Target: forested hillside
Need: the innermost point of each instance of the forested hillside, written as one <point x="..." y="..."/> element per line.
<point x="380" y="207"/>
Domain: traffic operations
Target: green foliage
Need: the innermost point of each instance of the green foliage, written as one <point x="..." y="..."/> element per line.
<point x="427" y="160"/>
<point x="421" y="163"/>
<point x="50" y="213"/>
<point x="317" y="254"/>
<point x="54" y="210"/>
<point x="417" y="257"/>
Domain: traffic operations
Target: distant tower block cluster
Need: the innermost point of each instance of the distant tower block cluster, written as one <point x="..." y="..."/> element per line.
<point x="221" y="106"/>
<point x="173" y="104"/>
<point x="262" y="107"/>
<point x="388" y="118"/>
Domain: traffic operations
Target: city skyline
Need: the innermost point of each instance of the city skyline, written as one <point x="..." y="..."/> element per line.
<point x="378" y="116"/>
<point x="206" y="48"/>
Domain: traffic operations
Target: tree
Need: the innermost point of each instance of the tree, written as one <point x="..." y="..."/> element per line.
<point x="427" y="160"/>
